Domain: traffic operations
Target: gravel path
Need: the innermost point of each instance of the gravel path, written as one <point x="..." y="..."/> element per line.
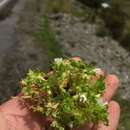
<point x="8" y="40"/>
<point x="18" y="49"/>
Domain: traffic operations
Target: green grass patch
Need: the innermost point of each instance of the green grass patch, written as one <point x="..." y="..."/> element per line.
<point x="56" y="6"/>
<point x="125" y="113"/>
<point x="72" y="7"/>
<point x="47" y="38"/>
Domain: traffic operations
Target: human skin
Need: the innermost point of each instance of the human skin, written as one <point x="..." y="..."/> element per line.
<point x="15" y="115"/>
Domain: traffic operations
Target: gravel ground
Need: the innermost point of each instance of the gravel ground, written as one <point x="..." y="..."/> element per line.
<point x="79" y="39"/>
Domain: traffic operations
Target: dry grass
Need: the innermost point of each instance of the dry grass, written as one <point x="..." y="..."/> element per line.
<point x="56" y="6"/>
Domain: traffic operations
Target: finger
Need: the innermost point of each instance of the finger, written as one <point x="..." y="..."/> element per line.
<point x="76" y="58"/>
<point x="114" y="114"/>
<point x="111" y="83"/>
<point x="99" y="72"/>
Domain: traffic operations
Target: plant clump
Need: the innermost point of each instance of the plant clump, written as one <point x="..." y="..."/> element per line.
<point x="70" y="94"/>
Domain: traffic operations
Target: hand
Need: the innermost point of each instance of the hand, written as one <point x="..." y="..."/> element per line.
<point x="111" y="82"/>
<point x="14" y="115"/>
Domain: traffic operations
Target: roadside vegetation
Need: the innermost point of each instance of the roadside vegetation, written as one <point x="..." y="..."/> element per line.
<point x="125" y="113"/>
<point x="47" y="38"/>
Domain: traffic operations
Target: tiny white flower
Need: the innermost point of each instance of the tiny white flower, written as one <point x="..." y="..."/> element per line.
<point x="49" y="92"/>
<point x="105" y="103"/>
<point x="105" y="5"/>
<point x="98" y="95"/>
<point x="58" y="60"/>
<point x="82" y="98"/>
<point x="40" y="77"/>
<point x="23" y="82"/>
<point x="71" y="125"/>
<point x="101" y="102"/>
<point x="97" y="70"/>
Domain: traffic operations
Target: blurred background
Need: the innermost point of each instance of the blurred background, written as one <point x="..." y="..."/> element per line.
<point x="34" y="32"/>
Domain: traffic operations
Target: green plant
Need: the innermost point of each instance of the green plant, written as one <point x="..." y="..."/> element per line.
<point x="70" y="94"/>
<point x="58" y="6"/>
<point x="47" y="38"/>
<point x="93" y="3"/>
<point x="93" y="6"/>
<point x="69" y="7"/>
<point x="125" y="112"/>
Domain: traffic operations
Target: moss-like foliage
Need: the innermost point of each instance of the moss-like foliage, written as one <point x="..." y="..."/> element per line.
<point x="70" y="94"/>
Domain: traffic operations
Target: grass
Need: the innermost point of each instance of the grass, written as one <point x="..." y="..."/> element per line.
<point x="45" y="34"/>
<point x="70" y="7"/>
<point x="56" y="6"/>
<point x="125" y="113"/>
<point x="47" y="38"/>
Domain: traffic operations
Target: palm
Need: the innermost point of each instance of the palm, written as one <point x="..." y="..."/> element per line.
<point x="18" y="117"/>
